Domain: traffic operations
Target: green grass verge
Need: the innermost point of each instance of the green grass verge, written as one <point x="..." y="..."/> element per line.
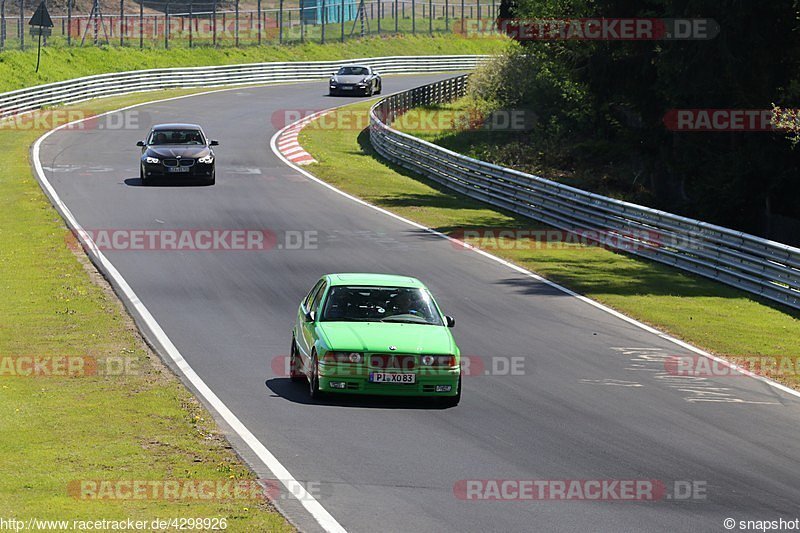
<point x="707" y="314"/>
<point x="144" y="425"/>
<point x="17" y="68"/>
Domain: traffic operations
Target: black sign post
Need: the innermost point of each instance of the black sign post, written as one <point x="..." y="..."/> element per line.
<point x="41" y="24"/>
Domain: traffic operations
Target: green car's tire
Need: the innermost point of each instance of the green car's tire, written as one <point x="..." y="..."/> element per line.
<point x="294" y="364"/>
<point x="313" y="380"/>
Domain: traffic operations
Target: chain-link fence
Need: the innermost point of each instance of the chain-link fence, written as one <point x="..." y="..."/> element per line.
<point x="187" y="23"/>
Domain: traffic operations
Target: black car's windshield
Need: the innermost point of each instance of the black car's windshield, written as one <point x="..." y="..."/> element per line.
<point x="177" y="136"/>
<point x="353" y="71"/>
<point x="380" y="304"/>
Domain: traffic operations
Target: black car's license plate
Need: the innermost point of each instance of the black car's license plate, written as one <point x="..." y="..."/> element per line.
<point x="177" y="169"/>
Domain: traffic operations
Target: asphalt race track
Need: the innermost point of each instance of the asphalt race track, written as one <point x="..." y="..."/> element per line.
<point x="593" y="400"/>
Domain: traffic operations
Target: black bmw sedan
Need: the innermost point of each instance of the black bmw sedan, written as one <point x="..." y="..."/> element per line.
<point x="177" y="150"/>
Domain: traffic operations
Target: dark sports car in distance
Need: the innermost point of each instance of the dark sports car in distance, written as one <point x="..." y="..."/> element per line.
<point x="177" y="150"/>
<point x="355" y="79"/>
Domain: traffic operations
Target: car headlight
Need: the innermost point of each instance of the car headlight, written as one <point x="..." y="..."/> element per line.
<point x="151" y="160"/>
<point x="438" y="360"/>
<point x="333" y="81"/>
<point x="343" y="357"/>
<point x="207" y="159"/>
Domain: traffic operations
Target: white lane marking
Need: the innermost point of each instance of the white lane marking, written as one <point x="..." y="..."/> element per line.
<point x="523" y="271"/>
<point x="320" y="514"/>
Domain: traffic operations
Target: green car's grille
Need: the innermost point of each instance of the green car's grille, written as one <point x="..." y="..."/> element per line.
<point x="393" y="362"/>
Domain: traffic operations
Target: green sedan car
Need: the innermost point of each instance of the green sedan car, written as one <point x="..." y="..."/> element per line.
<point x="375" y="334"/>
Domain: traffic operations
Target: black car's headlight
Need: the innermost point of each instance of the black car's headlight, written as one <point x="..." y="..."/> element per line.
<point x="333" y="81"/>
<point x="151" y="160"/>
<point x="207" y="159"/>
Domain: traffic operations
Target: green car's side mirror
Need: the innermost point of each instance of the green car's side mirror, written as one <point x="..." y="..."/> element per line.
<point x="451" y="322"/>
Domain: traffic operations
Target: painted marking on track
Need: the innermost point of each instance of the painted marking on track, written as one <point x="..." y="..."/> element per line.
<point x="287" y="144"/>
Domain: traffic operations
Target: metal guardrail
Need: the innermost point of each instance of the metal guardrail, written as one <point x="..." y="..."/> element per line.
<point x="80" y="89"/>
<point x="744" y="261"/>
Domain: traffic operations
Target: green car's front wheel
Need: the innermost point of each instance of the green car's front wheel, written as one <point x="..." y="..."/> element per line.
<point x="294" y="364"/>
<point x="313" y="379"/>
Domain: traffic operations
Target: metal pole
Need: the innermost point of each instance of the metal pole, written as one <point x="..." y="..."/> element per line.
<point x="396" y="18"/>
<point x="302" y="22"/>
<point x="39" y="51"/>
<point x="323" y="21"/>
<point x="121" y="22"/>
<point x="236" y="25"/>
<point x="413" y="16"/>
<point x="380" y="3"/>
<point x="21" y="26"/>
<point x="446" y="16"/>
<point x="191" y="22"/>
<point x="166" y="27"/>
<point x="213" y="22"/>
<point x="141" y="25"/>
<point x="341" y="14"/>
<point x="69" y="22"/>
<point x="2" y="24"/>
<point x="96" y="37"/>
<point x="258" y="8"/>
<point x="280" y="22"/>
<point x="430" y="17"/>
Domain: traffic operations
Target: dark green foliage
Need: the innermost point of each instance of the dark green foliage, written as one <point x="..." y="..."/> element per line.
<point x="601" y="106"/>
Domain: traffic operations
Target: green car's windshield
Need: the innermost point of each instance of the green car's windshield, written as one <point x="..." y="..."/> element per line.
<point x="380" y="304"/>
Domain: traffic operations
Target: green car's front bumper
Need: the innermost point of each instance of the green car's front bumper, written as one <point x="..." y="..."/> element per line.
<point x="355" y="379"/>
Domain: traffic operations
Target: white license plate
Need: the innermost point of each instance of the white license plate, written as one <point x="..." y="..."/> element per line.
<point x="347" y="88"/>
<point x="390" y="377"/>
<point x="177" y="169"/>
